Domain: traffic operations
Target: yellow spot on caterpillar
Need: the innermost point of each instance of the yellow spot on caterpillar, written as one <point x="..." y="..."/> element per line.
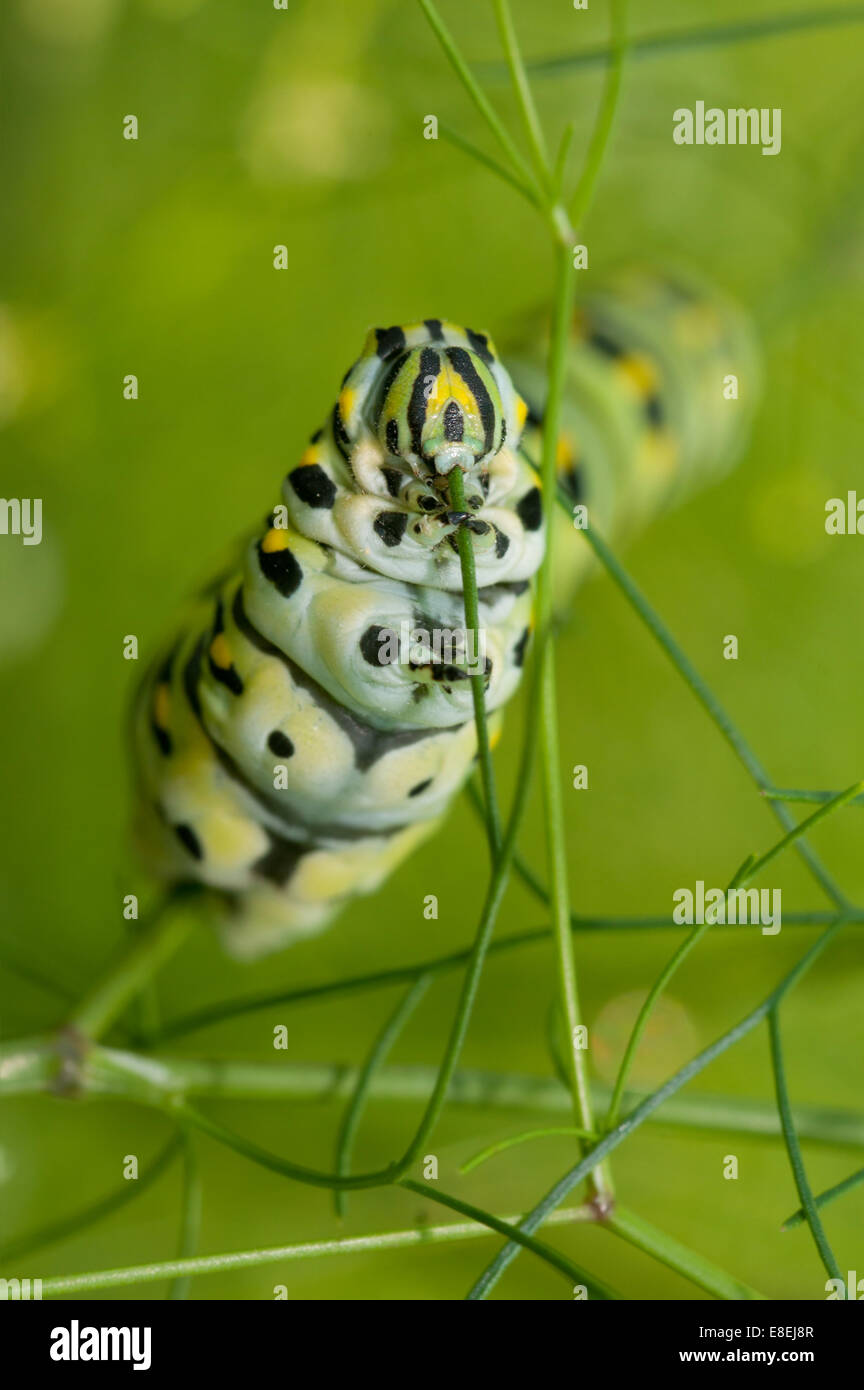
<point x="162" y="706"/>
<point x="565" y="453"/>
<point x="311" y="455"/>
<point x="521" y="413"/>
<point x="275" y="539"/>
<point x="657" y="455"/>
<point x="450" y="384"/>
<point x="640" y="372"/>
<point x="347" y="398"/>
<point x="220" y="651"/>
<point x="370" y="347"/>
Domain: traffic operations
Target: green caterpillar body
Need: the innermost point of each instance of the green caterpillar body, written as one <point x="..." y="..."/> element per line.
<point x="662" y="380"/>
<point x="312" y="723"/>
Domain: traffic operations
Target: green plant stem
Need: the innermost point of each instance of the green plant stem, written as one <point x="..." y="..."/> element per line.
<point x="285" y="1167"/>
<point x="159" y="1081"/>
<point x="66" y="1285"/>
<point x="839" y="799"/>
<point x="553" y="1048"/>
<point x="659" y="986"/>
<point x="646" y="1107"/>
<point x="474" y="968"/>
<point x="547" y="714"/>
<point x="829" y="1195"/>
<point x="474" y="152"/>
<point x="514" y="1140"/>
<point x="148" y="1010"/>
<point x="11" y="961"/>
<point x="478" y="679"/>
<point x="708" y="701"/>
<point x="56" y="1231"/>
<point x="605" y="118"/>
<point x="685" y="40"/>
<point x="645" y="923"/>
<point x="819" y="798"/>
<point x="674" y="1255"/>
<point x="404" y="974"/>
<point x="159" y="938"/>
<point x="481" y="1090"/>
<point x="538" y="189"/>
<point x="748" y="871"/>
<point x="477" y="95"/>
<point x="793" y="1148"/>
<point x="524" y="96"/>
<point x="564" y="147"/>
<point x="377" y="1056"/>
<point x="477" y="955"/>
<point x="171" y="1078"/>
<point x="190" y="1220"/>
<point x="552" y="1257"/>
<point x="600" y="1181"/>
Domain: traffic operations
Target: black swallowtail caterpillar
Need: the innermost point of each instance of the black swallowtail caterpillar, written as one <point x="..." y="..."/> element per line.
<point x="289" y="753"/>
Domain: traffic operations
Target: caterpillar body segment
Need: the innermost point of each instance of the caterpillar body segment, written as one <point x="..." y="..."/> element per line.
<point x="342" y="630"/>
<point x="663" y="377"/>
<point x="311" y="724"/>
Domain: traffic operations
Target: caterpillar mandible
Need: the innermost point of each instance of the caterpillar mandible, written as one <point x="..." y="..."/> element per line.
<point x="291" y="748"/>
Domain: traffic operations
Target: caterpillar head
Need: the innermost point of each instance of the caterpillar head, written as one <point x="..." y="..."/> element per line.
<point x="441" y="409"/>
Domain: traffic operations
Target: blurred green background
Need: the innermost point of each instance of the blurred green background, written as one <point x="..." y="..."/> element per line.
<point x="154" y="257"/>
